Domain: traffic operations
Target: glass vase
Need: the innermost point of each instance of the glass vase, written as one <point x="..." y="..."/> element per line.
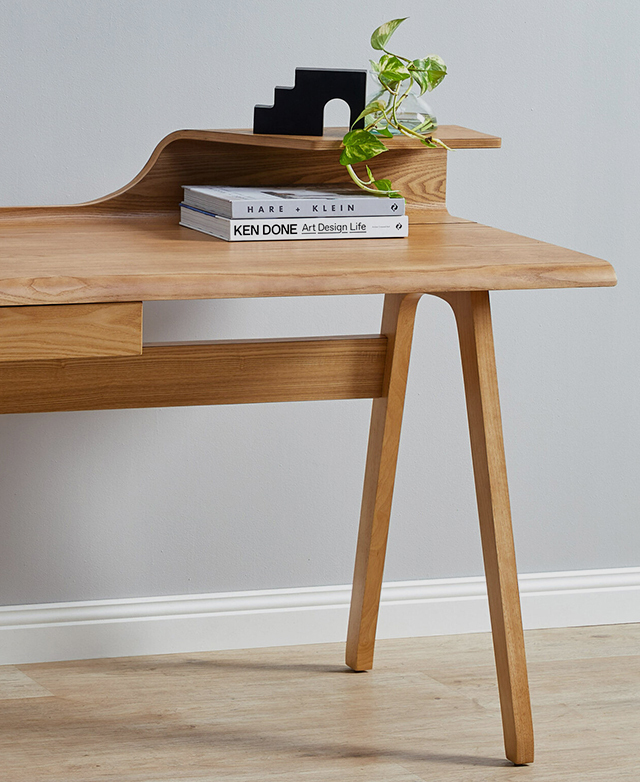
<point x="414" y="112"/>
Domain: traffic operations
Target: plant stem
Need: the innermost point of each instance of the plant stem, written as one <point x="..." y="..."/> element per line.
<point x="362" y="185"/>
<point x="412" y="134"/>
<point x="394" y="108"/>
<point x="375" y="122"/>
<point x="360" y="182"/>
<point x="399" y="56"/>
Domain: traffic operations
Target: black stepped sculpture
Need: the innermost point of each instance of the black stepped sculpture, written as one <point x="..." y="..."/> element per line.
<point x="299" y="110"/>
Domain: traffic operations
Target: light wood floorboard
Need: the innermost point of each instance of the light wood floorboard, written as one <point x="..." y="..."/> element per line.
<point x="428" y="711"/>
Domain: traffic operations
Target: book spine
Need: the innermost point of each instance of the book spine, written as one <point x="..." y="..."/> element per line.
<point x="317" y="208"/>
<point x="300" y="228"/>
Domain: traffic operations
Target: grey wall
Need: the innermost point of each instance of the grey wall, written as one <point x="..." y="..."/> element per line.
<point x="132" y="503"/>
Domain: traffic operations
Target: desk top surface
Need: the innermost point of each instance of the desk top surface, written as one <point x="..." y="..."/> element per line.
<point x="64" y="258"/>
<point x="128" y="246"/>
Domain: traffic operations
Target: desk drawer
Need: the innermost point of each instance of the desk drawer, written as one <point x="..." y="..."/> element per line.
<point x="70" y="331"/>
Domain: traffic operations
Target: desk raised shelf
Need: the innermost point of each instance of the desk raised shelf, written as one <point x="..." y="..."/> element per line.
<point x="127" y="248"/>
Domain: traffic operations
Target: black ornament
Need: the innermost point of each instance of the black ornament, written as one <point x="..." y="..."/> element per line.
<point x="299" y="110"/>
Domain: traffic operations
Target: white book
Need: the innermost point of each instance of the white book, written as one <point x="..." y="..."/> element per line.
<point x="267" y="202"/>
<point x="297" y="228"/>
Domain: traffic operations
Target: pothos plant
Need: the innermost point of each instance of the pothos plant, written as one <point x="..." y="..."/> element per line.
<point x="396" y="75"/>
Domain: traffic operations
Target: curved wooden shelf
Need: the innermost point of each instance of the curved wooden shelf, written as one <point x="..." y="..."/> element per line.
<point x="128" y="246"/>
<point x="238" y="157"/>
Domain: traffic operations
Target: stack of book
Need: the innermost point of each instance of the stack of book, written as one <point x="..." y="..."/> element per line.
<point x="246" y="214"/>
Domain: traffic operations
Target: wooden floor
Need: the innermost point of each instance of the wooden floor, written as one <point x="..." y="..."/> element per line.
<point x="428" y="711"/>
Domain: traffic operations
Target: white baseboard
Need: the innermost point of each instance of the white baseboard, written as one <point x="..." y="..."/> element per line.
<point x="306" y="615"/>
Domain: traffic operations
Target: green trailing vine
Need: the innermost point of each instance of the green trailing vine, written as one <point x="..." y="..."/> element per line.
<point x="396" y="75"/>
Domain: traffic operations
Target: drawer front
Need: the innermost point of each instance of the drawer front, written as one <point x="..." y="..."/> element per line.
<point x="70" y="331"/>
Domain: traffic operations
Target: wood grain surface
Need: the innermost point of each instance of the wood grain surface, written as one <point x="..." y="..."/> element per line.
<point x="204" y="373"/>
<point x="70" y="331"/>
<point x="420" y="174"/>
<point x="238" y="157"/>
<point x="473" y="317"/>
<point x="49" y="260"/>
<point x="454" y="136"/>
<point x="128" y="246"/>
<point x="382" y="455"/>
<point x="191" y="157"/>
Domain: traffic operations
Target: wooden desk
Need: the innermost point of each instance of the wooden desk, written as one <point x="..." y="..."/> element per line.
<point x="72" y="280"/>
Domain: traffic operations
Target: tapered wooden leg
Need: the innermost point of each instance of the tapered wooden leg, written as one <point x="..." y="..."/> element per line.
<point x="473" y="316"/>
<point x="384" y="438"/>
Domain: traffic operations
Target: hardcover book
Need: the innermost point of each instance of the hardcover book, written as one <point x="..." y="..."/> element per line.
<point x="257" y="230"/>
<point x="267" y="202"/>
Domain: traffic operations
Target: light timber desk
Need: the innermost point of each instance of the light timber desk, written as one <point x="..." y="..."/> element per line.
<point x="73" y="279"/>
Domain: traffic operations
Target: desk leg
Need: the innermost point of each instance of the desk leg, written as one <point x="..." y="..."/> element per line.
<point x="384" y="438"/>
<point x="473" y="316"/>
